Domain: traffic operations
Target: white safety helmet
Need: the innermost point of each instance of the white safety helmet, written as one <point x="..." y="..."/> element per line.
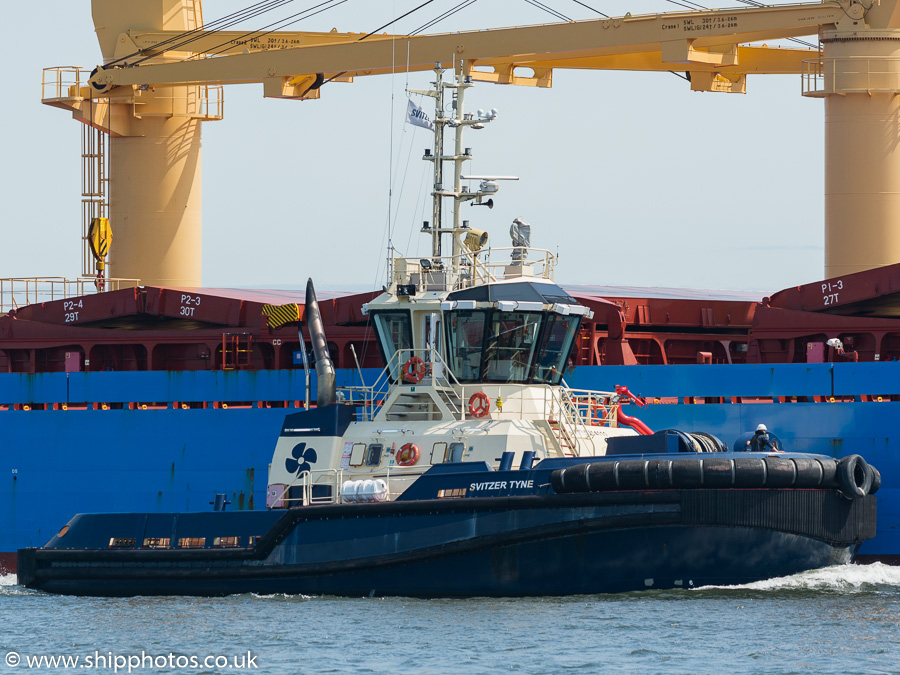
<point x="761" y="427"/>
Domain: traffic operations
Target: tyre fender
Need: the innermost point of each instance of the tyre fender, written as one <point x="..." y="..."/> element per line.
<point x="854" y="477"/>
<point x="876" y="480"/>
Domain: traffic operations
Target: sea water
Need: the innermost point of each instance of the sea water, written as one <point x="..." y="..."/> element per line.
<point x="839" y="620"/>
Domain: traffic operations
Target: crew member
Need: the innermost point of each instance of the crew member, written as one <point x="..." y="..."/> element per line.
<point x="761" y="441"/>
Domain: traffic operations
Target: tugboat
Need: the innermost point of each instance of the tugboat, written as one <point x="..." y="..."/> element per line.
<point x="470" y="468"/>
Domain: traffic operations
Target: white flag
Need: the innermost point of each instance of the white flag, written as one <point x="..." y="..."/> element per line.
<point x="415" y="115"/>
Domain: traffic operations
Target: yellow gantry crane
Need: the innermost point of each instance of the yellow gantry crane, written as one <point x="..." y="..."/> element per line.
<point x="162" y="78"/>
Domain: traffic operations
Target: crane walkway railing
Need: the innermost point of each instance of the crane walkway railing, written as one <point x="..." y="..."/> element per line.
<point x="851" y="75"/>
<point x="63" y="86"/>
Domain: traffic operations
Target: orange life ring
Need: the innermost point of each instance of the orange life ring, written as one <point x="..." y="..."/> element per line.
<point x="599" y="414"/>
<point x="414" y="370"/>
<point x="408" y="455"/>
<point x="479" y="404"/>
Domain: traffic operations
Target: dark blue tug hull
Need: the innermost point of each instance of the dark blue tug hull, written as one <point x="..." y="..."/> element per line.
<point x="539" y="544"/>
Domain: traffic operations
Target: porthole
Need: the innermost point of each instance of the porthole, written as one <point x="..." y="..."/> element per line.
<point x="373" y="455"/>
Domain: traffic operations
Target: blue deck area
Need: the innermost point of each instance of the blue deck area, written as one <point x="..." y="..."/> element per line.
<point x="55" y="463"/>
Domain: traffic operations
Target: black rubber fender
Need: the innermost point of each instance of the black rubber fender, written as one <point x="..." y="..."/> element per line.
<point x="602" y="476"/>
<point x="809" y="472"/>
<point x="659" y="474"/>
<point x="576" y="478"/>
<point x="854" y="477"/>
<point x="718" y="472"/>
<point x="816" y="473"/>
<point x="687" y="472"/>
<point x="876" y="480"/>
<point x="631" y="474"/>
<point x="829" y="469"/>
<point x="780" y="472"/>
<point x="749" y="472"/>
<point x="558" y="481"/>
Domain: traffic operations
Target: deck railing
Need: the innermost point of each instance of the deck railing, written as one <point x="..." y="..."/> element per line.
<point x="473" y="269"/>
<point x="569" y="412"/>
<point x="21" y="291"/>
<point x="369" y="399"/>
<point x="396" y="478"/>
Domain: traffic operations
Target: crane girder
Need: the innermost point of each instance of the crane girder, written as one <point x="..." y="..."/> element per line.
<point x="756" y="60"/>
<point x="696" y="41"/>
<point x="230" y="42"/>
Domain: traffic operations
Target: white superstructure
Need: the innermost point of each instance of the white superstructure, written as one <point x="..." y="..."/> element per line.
<point x="476" y="345"/>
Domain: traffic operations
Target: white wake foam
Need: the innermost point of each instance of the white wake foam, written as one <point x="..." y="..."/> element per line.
<point x="841" y="578"/>
<point x="8" y="580"/>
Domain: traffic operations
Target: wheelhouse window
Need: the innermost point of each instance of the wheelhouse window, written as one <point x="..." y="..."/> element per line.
<point x="394" y="334"/>
<point x="519" y="347"/>
<point x="465" y="340"/>
<point x="511" y="346"/>
<point x="556" y="343"/>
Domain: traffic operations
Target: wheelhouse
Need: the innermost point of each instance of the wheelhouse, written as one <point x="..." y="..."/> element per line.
<point x="517" y="333"/>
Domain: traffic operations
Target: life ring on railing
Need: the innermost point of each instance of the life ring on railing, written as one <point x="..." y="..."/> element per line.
<point x="414" y="370"/>
<point x="599" y="413"/>
<point x="479" y="404"/>
<point x="408" y="455"/>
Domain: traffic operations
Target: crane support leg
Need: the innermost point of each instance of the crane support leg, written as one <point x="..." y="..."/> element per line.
<point x="860" y="80"/>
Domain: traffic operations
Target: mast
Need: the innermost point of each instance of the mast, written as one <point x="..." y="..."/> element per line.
<point x="457" y="120"/>
<point x="436" y="154"/>
<point x="439" y="122"/>
<point x="460" y="86"/>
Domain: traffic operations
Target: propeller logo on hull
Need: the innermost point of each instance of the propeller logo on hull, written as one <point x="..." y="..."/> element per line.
<point x="300" y="460"/>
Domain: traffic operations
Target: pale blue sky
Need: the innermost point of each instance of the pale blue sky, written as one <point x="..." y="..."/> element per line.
<point x="635" y="179"/>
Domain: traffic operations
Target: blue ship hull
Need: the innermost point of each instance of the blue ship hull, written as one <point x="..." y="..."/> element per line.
<point x="60" y="462"/>
<point x="547" y="544"/>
